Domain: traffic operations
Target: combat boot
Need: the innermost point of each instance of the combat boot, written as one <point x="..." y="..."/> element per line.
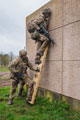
<point x="39" y="54"/>
<point x="37" y="61"/>
<point x="10" y="102"/>
<point x="28" y="99"/>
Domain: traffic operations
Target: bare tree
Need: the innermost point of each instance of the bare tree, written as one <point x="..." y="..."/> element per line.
<point x="11" y="56"/>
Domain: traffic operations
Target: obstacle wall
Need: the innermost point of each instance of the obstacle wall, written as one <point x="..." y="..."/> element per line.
<point x="61" y="73"/>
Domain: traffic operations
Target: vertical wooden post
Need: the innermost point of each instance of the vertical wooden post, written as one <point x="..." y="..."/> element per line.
<point x="37" y="76"/>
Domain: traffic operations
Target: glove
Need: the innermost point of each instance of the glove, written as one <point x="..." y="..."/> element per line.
<point x="37" y="69"/>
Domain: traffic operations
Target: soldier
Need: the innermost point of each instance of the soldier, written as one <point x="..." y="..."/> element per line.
<point x="19" y="75"/>
<point x="39" y="32"/>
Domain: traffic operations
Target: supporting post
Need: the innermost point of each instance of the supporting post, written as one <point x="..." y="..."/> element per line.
<point x="37" y="76"/>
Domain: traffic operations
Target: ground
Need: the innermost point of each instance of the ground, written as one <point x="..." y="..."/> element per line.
<point x="43" y="109"/>
<point x="4" y="79"/>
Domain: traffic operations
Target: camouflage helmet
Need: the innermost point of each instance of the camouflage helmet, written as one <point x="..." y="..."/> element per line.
<point x="35" y="35"/>
<point x="22" y="53"/>
<point x="46" y="10"/>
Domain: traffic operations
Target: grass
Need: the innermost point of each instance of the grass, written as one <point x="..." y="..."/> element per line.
<point x="41" y="110"/>
<point x="4" y="69"/>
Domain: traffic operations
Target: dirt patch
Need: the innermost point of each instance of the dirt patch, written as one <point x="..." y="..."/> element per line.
<point x="4" y="79"/>
<point x="4" y="73"/>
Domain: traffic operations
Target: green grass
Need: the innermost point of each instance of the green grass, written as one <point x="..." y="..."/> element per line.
<point x="41" y="110"/>
<point x="4" y="69"/>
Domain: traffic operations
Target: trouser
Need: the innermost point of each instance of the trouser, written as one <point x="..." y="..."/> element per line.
<point x="29" y="91"/>
<point x="27" y="80"/>
<point x="41" y="46"/>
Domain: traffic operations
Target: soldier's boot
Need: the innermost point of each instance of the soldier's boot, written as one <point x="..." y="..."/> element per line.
<point x="37" y="61"/>
<point x="10" y="101"/>
<point x="29" y="93"/>
<point x="40" y="54"/>
<point x="38" y="57"/>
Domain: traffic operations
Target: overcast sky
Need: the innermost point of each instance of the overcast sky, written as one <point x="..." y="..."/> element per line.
<point x="12" y="23"/>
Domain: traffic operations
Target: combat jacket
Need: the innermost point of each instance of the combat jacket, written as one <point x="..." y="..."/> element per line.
<point x="33" y="25"/>
<point x="20" y="63"/>
<point x="43" y="21"/>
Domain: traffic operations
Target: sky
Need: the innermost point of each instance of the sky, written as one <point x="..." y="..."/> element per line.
<point x="12" y="23"/>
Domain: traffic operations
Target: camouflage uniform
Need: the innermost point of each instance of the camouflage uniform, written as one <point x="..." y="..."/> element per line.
<point x="41" y="39"/>
<point x="14" y="66"/>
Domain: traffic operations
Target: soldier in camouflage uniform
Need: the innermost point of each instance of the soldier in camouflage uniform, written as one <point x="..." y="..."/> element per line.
<point x="19" y="75"/>
<point x="34" y="28"/>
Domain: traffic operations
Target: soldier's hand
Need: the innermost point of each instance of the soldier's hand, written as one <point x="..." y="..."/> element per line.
<point x="53" y="43"/>
<point x="37" y="69"/>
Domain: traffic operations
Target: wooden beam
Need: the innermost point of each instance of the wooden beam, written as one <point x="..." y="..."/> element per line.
<point x="37" y="76"/>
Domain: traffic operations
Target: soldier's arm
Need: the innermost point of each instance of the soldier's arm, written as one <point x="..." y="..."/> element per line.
<point x="32" y="67"/>
<point x="39" y="20"/>
<point x="12" y="65"/>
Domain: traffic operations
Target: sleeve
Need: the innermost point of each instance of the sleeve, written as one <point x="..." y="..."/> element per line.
<point x="39" y="20"/>
<point x="12" y="65"/>
<point x="31" y="66"/>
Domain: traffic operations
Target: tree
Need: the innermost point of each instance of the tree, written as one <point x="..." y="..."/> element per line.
<point x="11" y="56"/>
<point x="6" y="58"/>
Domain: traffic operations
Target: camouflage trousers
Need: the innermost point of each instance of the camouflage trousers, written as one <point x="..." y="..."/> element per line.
<point x="25" y="80"/>
<point x="41" y="45"/>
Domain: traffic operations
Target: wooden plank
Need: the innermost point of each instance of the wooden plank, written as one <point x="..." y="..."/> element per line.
<point x="37" y="76"/>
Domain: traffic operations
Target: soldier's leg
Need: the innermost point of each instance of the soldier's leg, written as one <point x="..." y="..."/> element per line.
<point x="44" y="40"/>
<point x="43" y="46"/>
<point x="29" y="83"/>
<point x="21" y="84"/>
<point x="37" y="58"/>
<point x="39" y="45"/>
<point x="13" y="90"/>
<point x="29" y="92"/>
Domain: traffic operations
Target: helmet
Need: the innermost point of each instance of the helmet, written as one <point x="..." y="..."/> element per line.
<point x="35" y="35"/>
<point x="46" y="10"/>
<point x="22" y="53"/>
